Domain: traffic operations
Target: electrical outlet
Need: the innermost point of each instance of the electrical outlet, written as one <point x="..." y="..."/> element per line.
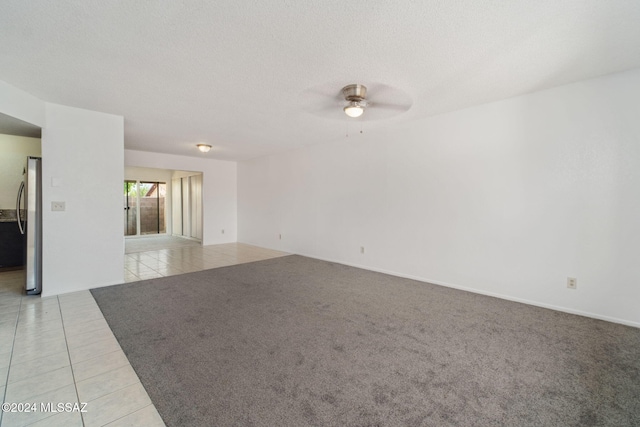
<point x="361" y="249"/>
<point x="57" y="206"/>
<point x="279" y="236"/>
<point x="223" y="231"/>
<point x="572" y="282"/>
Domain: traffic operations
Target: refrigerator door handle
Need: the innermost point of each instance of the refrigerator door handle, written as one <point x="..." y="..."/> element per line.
<point x="20" y="193"/>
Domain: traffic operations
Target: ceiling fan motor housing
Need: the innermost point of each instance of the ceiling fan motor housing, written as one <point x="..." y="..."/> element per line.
<point x="354" y="92"/>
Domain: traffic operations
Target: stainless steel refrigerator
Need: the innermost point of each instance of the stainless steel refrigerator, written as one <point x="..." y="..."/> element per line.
<point x="29" y="214"/>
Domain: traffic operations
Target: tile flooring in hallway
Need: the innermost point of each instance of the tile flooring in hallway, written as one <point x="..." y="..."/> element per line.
<point x="60" y="349"/>
<point x="153" y="263"/>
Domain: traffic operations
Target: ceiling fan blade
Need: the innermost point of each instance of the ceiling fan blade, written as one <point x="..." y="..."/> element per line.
<point x="323" y="109"/>
<point x="322" y="93"/>
<point x="388" y="106"/>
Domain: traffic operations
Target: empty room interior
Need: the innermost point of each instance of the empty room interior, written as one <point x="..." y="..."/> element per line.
<point x="325" y="213"/>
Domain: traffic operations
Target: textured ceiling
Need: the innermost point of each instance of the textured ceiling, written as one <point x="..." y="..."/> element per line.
<point x="242" y="75"/>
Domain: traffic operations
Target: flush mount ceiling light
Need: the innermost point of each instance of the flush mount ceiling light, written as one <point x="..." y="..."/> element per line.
<point x="204" y="148"/>
<point x="355" y="96"/>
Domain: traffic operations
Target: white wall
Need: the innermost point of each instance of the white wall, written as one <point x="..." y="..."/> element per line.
<point x="219" y="210"/>
<point x="83" y="166"/>
<point x="21" y="105"/>
<point x="13" y="158"/>
<point x="83" y="247"/>
<point x="148" y="174"/>
<point x="506" y="199"/>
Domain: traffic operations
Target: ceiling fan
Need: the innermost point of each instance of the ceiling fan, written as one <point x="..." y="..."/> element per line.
<point x="355" y="96"/>
<point x="374" y="101"/>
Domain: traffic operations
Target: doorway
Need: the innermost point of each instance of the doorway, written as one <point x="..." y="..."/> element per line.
<point x="130" y="211"/>
<point x="144" y="207"/>
<point x="155" y="208"/>
<point x="18" y="140"/>
<point x="187" y="205"/>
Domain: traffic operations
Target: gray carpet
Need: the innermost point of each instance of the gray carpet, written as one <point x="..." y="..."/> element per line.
<point x="295" y="341"/>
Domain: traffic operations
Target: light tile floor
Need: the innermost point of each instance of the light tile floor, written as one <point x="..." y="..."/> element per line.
<point x="157" y="241"/>
<point x="153" y="263"/>
<point x="60" y="349"/>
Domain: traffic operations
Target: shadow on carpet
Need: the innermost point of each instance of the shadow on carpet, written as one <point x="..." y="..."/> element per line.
<point x="295" y="341"/>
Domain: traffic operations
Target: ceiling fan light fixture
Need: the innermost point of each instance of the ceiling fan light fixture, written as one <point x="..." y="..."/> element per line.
<point x="204" y="148"/>
<point x="355" y="96"/>
<point x="353" y="109"/>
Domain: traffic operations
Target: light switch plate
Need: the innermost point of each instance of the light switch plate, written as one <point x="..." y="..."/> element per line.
<point x="57" y="206"/>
